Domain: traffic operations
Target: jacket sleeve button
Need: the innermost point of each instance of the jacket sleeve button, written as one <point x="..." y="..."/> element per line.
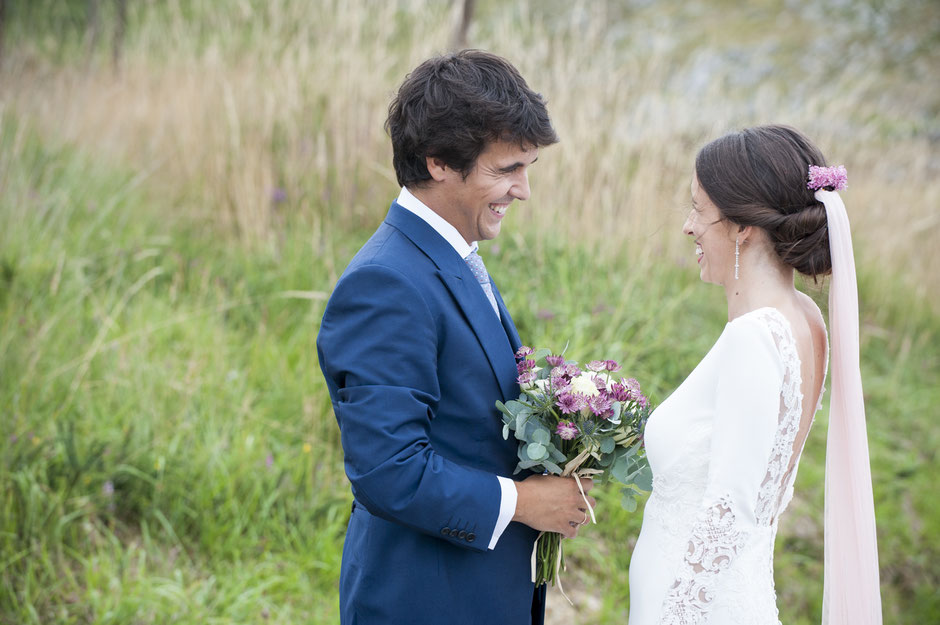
<point x="471" y="537"/>
<point x="462" y="534"/>
<point x="453" y="532"/>
<point x="445" y="531"/>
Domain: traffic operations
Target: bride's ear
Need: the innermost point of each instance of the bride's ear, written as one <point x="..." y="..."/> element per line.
<point x="744" y="232"/>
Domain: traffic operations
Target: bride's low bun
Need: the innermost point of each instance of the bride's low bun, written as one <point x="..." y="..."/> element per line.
<point x="802" y="241"/>
<point x="757" y="177"/>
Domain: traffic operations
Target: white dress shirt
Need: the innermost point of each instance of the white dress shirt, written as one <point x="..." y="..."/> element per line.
<point x="507" y="504"/>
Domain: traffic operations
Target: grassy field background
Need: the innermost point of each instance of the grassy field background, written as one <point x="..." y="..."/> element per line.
<point x="171" y="225"/>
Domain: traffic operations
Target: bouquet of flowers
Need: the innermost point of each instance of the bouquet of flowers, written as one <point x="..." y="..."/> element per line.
<point x="581" y="422"/>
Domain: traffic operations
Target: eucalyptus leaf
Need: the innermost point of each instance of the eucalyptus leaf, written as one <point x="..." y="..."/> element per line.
<point x="551" y="467"/>
<point x="644" y="479"/>
<point x="628" y="501"/>
<point x="541" y="435"/>
<point x="506" y="432"/>
<point x="607" y="445"/>
<point x="536" y="451"/>
<point x="556" y="455"/>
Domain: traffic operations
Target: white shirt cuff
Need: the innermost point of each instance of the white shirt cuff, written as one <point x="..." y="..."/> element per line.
<point x="507" y="508"/>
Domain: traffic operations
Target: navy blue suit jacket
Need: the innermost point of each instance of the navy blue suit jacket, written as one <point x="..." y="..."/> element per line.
<point x="415" y="359"/>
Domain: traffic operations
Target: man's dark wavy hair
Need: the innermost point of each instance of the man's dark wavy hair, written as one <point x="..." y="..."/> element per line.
<point x="450" y="107"/>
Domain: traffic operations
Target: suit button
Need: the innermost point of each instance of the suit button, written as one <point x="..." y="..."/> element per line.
<point x="453" y="533"/>
<point x="445" y="531"/>
<point x="462" y="535"/>
<point x="471" y="537"/>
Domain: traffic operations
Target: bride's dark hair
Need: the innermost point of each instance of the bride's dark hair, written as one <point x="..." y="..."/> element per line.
<point x="757" y="177"/>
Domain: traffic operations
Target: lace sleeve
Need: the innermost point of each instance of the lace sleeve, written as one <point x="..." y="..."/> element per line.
<point x="746" y="410"/>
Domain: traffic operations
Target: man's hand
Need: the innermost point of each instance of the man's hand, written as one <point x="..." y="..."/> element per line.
<point x="550" y="503"/>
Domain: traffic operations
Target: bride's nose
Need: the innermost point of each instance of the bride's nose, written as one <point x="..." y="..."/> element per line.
<point x="687" y="226"/>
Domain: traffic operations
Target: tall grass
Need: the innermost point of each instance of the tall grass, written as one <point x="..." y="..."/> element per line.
<point x="170" y="228"/>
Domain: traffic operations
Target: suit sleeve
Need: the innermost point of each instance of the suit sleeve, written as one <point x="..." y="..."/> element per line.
<point x="747" y="410"/>
<point x="378" y="351"/>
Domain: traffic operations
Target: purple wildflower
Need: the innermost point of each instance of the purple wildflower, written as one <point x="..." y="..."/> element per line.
<point x="526" y="377"/>
<point x="567" y="430"/>
<point x="829" y="178"/>
<point x="632" y="386"/>
<point x="107" y="489"/>
<point x="569" y="403"/>
<point x="600" y="405"/>
<point x="612" y="365"/>
<point x="525" y="365"/>
<point x="278" y="195"/>
<point x="524" y="351"/>
<point x="545" y="315"/>
<point x="597" y="365"/>
<point x="555" y="361"/>
<point x="619" y="393"/>
<point x="269" y="461"/>
<point x="572" y="371"/>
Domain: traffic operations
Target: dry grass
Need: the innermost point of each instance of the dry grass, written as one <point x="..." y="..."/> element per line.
<point x="227" y="107"/>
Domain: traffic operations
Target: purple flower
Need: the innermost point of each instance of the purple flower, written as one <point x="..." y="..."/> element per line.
<point x="525" y="365"/>
<point x="612" y="365"/>
<point x="524" y="351"/>
<point x="278" y="195"/>
<point x="107" y="489"/>
<point x="569" y="403"/>
<point x="619" y="393"/>
<point x="566" y="430"/>
<point x="829" y="178"/>
<point x="597" y="365"/>
<point x="555" y="361"/>
<point x="269" y="461"/>
<point x="572" y="371"/>
<point x="561" y="385"/>
<point x="632" y="386"/>
<point x="545" y="315"/>
<point x="600" y="405"/>
<point x="526" y="377"/>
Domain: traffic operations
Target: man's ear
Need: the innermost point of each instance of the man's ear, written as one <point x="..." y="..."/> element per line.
<point x="437" y="168"/>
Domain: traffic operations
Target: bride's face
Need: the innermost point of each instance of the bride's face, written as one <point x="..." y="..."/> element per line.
<point x="714" y="237"/>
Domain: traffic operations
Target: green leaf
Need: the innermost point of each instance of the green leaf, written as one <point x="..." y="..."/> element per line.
<point x="607" y="445"/>
<point x="506" y="432"/>
<point x="556" y="455"/>
<point x="541" y="435"/>
<point x="644" y="479"/>
<point x="628" y="501"/>
<point x="536" y="451"/>
<point x="552" y="467"/>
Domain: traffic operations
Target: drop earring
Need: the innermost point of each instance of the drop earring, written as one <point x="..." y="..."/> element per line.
<point x="737" y="257"/>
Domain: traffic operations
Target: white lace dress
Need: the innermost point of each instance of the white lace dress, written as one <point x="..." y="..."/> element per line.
<point x="721" y="451"/>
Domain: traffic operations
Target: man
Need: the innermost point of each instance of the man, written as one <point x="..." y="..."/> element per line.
<point x="417" y="346"/>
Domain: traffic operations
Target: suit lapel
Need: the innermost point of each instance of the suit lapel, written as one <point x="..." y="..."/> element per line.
<point x="514" y="341"/>
<point x="495" y="337"/>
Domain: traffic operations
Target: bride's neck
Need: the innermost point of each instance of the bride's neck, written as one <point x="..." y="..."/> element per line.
<point x="761" y="283"/>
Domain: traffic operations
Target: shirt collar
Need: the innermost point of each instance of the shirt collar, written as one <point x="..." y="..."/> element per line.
<point x="408" y="201"/>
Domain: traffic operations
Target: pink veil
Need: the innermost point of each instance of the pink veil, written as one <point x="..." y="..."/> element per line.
<point x="851" y="591"/>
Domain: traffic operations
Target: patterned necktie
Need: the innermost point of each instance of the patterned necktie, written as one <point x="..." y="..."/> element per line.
<point x="479" y="272"/>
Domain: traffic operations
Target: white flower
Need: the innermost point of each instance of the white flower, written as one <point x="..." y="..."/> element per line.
<point x="584" y="384"/>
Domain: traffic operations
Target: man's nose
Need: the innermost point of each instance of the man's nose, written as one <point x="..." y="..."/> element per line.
<point x="520" y="190"/>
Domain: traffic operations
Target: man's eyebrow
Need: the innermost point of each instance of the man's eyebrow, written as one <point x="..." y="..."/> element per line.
<point x="511" y="168"/>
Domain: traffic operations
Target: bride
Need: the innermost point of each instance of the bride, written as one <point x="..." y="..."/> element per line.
<point x="725" y="446"/>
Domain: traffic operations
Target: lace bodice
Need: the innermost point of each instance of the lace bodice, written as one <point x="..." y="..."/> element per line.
<point x="722" y="452"/>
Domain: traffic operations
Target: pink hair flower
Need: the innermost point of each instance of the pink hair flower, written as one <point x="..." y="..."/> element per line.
<point x="828" y="178"/>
